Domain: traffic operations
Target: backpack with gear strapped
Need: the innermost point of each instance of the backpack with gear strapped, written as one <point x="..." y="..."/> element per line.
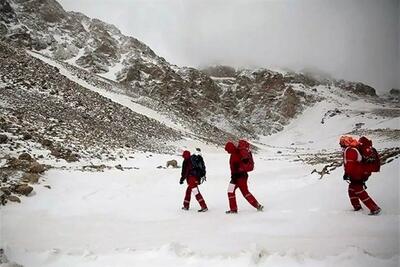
<point x="369" y="155"/>
<point x="198" y="166"/>
<point x="246" y="157"/>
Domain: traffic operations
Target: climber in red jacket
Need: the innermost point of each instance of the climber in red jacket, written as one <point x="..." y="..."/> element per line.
<point x="189" y="175"/>
<point x="357" y="172"/>
<point x="238" y="180"/>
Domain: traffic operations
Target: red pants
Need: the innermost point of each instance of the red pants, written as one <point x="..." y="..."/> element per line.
<point x="357" y="193"/>
<point x="241" y="183"/>
<point x="192" y="188"/>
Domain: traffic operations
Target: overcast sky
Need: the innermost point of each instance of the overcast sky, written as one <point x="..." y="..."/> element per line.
<point x="350" y="39"/>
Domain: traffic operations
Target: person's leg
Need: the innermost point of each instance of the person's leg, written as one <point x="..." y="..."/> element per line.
<point x="242" y="184"/>
<point x="232" y="197"/>
<point x="195" y="190"/>
<point x="365" y="198"/>
<point x="353" y="197"/>
<point x="186" y="201"/>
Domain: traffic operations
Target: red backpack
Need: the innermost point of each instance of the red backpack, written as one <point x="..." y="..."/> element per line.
<point x="246" y="158"/>
<point x="369" y="154"/>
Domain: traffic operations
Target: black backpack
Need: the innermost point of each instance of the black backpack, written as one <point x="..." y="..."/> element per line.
<point x="198" y="167"/>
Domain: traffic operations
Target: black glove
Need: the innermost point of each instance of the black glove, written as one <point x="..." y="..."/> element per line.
<point x="345" y="177"/>
<point x="181" y="180"/>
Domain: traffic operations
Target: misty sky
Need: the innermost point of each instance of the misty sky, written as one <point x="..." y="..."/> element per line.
<point x="356" y="40"/>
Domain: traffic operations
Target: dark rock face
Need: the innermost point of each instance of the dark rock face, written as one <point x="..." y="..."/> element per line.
<point x="356" y="88"/>
<point x="395" y="92"/>
<point x="301" y="78"/>
<point x="220" y="71"/>
<point x="7" y="14"/>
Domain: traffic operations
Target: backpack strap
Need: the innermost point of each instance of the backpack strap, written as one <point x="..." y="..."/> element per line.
<point x="359" y="156"/>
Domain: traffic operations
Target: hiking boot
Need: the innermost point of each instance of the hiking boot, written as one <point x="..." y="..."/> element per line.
<point x="357" y="208"/>
<point x="375" y="212"/>
<point x="231" y="211"/>
<point x="203" y="210"/>
<point x="260" y="207"/>
<point x="185" y="208"/>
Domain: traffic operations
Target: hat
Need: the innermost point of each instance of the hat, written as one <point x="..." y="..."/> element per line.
<point x="230" y="147"/>
<point x="346" y="141"/>
<point x="186" y="154"/>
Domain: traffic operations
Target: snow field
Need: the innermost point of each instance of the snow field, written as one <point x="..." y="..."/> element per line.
<point x="133" y="217"/>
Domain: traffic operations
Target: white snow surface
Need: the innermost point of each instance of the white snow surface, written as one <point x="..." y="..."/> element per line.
<point x="134" y="217"/>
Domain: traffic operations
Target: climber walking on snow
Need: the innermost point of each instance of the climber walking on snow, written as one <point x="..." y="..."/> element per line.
<point x="193" y="171"/>
<point x="241" y="162"/>
<point x="359" y="160"/>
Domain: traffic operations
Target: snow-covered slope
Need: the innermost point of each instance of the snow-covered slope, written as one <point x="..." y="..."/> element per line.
<point x="133" y="217"/>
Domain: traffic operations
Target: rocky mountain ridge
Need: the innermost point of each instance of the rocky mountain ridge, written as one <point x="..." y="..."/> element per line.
<point x="247" y="103"/>
<point x="37" y="99"/>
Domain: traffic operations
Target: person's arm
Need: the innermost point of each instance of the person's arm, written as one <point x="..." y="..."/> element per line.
<point x="183" y="173"/>
<point x="235" y="164"/>
<point x="202" y="161"/>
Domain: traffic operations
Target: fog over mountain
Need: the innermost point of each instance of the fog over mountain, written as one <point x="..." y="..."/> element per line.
<point x="354" y="40"/>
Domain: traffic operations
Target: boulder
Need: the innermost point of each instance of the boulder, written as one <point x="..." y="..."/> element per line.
<point x="119" y="167"/>
<point x="23" y="189"/>
<point x="72" y="157"/>
<point x="3" y="138"/>
<point x="32" y="178"/>
<point x="6" y="190"/>
<point x="47" y="142"/>
<point x="36" y="167"/>
<point x="26" y="136"/>
<point x="395" y="92"/>
<point x="172" y="163"/>
<point x="13" y="198"/>
<point x="25" y="156"/>
<point x="3" y="198"/>
<point x="65" y="154"/>
<point x="18" y="164"/>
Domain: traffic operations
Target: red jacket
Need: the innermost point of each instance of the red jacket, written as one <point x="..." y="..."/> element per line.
<point x="354" y="168"/>
<point x="186" y="165"/>
<point x="234" y="161"/>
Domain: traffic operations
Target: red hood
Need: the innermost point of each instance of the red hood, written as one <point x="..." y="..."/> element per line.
<point x="230" y="147"/>
<point x="243" y="144"/>
<point x="186" y="154"/>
